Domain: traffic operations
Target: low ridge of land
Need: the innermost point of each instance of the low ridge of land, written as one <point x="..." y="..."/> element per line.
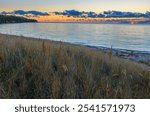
<point x="14" y="19"/>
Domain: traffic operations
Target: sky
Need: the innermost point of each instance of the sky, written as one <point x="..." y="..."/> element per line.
<point x="82" y="5"/>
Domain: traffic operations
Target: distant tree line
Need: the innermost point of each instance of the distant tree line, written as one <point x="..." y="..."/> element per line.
<point x="14" y="19"/>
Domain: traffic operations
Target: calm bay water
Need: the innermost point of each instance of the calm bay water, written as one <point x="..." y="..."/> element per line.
<point x="122" y="36"/>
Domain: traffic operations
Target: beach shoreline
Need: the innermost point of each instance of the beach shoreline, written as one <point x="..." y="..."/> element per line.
<point x="133" y="55"/>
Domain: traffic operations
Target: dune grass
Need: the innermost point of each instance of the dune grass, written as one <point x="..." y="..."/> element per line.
<point x="32" y="68"/>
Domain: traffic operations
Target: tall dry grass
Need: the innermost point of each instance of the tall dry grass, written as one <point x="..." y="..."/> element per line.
<point x="32" y="68"/>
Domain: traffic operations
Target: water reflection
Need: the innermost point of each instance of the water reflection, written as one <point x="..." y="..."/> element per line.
<point x="134" y="37"/>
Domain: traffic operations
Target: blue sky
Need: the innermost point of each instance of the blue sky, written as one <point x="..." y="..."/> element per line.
<point x="83" y="5"/>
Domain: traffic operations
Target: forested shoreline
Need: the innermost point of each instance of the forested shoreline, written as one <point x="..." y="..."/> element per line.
<point x="14" y="19"/>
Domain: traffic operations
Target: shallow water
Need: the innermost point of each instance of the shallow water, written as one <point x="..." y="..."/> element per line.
<point x="122" y="36"/>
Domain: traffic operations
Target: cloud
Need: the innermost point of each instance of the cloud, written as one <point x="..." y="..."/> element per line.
<point x="123" y="14"/>
<point x="147" y="14"/>
<point x="105" y="14"/>
<point x="82" y="14"/>
<point x="22" y="12"/>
